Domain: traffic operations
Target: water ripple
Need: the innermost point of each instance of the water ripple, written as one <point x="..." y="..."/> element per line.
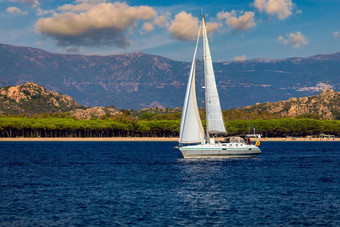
<point x="148" y="184"/>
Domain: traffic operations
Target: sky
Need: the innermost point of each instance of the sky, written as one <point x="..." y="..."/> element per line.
<point x="238" y="29"/>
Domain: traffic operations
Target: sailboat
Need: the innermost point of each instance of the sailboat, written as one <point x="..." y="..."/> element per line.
<point x="193" y="141"/>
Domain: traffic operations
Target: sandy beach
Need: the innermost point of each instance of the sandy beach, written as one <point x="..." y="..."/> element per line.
<point x="94" y="139"/>
<point x="164" y="139"/>
<point x="298" y="139"/>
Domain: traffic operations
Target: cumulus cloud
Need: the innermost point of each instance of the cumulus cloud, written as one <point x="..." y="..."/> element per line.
<point x="32" y="3"/>
<point x="240" y="58"/>
<point x="212" y="27"/>
<point x="90" y="24"/>
<point x="148" y="27"/>
<point x="241" y="22"/>
<point x="41" y="12"/>
<point x="15" y="10"/>
<point x="160" y="21"/>
<point x="336" y="34"/>
<point x="297" y="40"/>
<point x="185" y="26"/>
<point x="280" y="8"/>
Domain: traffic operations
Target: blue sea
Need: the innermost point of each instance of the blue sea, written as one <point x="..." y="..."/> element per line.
<point x="150" y="184"/>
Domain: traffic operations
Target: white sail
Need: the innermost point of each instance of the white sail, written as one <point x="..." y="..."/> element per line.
<point x="215" y="122"/>
<point x="191" y="130"/>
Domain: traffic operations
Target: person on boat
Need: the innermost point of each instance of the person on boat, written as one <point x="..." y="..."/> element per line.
<point x="249" y="142"/>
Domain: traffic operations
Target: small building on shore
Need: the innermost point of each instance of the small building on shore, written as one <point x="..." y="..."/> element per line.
<point x="322" y="135"/>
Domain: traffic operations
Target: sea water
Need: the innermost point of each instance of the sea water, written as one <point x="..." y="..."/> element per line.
<point x="150" y="184"/>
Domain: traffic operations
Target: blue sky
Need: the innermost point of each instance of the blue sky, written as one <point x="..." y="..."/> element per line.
<point x="238" y="29"/>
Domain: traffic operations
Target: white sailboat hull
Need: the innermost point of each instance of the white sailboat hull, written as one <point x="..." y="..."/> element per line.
<point x="219" y="150"/>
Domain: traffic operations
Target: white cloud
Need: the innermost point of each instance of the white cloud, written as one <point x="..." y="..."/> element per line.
<point x="297" y="40"/>
<point x="160" y="21"/>
<point x="241" y="22"/>
<point x="336" y="34"/>
<point x="212" y="27"/>
<point x="33" y="3"/>
<point x="41" y="12"/>
<point x="280" y="8"/>
<point x="185" y="26"/>
<point x="147" y="27"/>
<point x="16" y="10"/>
<point x="88" y="24"/>
<point x="77" y="8"/>
<point x="240" y="58"/>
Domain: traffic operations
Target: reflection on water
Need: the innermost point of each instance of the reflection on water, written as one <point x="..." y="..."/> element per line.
<point x="208" y="187"/>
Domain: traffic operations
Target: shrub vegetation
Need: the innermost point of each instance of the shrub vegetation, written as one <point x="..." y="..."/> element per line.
<point x="151" y="125"/>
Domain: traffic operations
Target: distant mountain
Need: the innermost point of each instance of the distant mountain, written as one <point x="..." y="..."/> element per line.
<point x="141" y="80"/>
<point x="325" y="105"/>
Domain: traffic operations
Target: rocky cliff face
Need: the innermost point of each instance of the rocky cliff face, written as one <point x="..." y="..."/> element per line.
<point x="29" y="91"/>
<point x="326" y="105"/>
<point x="94" y="112"/>
<point x="31" y="98"/>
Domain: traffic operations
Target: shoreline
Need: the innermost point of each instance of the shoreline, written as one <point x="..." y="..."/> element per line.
<point x="153" y="139"/>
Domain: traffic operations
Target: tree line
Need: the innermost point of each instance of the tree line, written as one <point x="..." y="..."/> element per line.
<point x="127" y="125"/>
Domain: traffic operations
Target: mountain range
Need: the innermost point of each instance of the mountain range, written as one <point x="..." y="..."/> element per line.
<point x="140" y="80"/>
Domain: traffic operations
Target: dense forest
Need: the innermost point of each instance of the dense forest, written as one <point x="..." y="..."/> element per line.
<point x="151" y="125"/>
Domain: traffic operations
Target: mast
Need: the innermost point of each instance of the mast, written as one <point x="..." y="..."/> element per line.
<point x="214" y="119"/>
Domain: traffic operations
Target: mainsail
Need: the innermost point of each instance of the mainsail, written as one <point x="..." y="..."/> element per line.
<point x="191" y="130"/>
<point x="214" y="118"/>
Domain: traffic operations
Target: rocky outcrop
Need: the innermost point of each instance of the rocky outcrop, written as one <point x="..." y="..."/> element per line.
<point x="31" y="98"/>
<point x="326" y="105"/>
<point x="158" y="110"/>
<point x="94" y="112"/>
<point x="29" y="91"/>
